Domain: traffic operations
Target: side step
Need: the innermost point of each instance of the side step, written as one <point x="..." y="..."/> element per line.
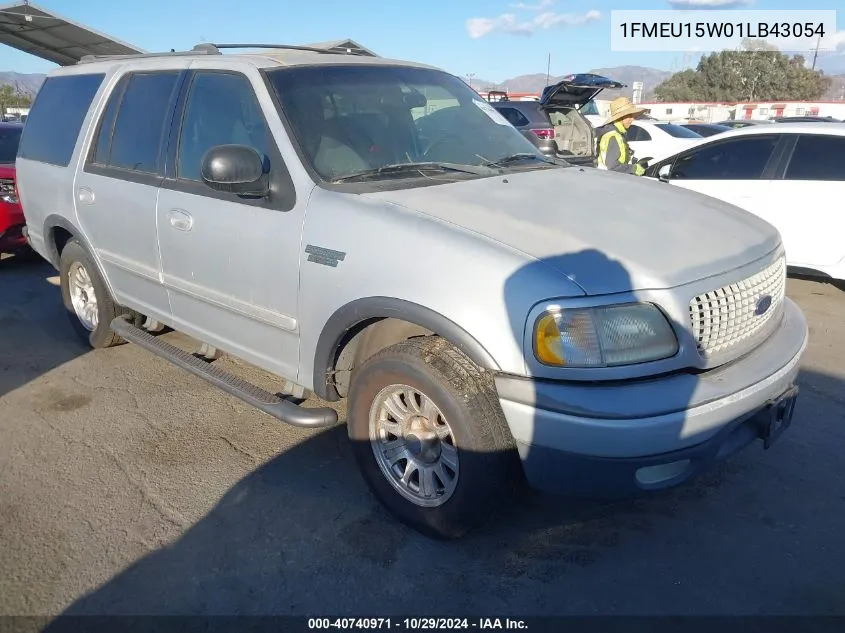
<point x="265" y="401"/>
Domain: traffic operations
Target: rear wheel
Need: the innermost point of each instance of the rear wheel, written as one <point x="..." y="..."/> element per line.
<point x="87" y="300"/>
<point x="430" y="437"/>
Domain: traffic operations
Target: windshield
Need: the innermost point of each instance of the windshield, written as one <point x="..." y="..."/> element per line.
<point x="354" y="119"/>
<point x="590" y="108"/>
<point x="10" y="138"/>
<point x="677" y="131"/>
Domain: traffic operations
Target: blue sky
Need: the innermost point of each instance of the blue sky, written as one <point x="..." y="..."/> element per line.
<point x="492" y="39"/>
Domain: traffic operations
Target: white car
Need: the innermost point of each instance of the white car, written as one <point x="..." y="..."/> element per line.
<point x="790" y="174"/>
<point x="649" y="139"/>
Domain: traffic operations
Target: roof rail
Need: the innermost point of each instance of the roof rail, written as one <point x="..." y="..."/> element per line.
<point x="214" y="49"/>
<point x="88" y="59"/>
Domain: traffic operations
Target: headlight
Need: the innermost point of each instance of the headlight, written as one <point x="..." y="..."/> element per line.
<point x="603" y="337"/>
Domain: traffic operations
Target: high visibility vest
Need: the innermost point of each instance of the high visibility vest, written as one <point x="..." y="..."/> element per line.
<point x="603" y="144"/>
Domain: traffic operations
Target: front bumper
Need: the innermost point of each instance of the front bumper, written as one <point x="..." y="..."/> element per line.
<point x="12" y="239"/>
<point x="593" y="439"/>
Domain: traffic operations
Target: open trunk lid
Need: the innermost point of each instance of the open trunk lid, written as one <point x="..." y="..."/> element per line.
<point x="574" y="91"/>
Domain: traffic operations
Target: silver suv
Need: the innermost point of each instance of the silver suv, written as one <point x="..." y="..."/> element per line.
<point x="372" y="229"/>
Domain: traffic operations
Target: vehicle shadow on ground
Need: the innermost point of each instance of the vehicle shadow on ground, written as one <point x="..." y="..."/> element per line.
<point x="35" y="334"/>
<point x="301" y="535"/>
<point x="808" y="275"/>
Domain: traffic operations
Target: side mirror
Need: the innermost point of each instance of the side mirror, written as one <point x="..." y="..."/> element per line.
<point x="237" y="169"/>
<point x="664" y="172"/>
<point x="414" y="100"/>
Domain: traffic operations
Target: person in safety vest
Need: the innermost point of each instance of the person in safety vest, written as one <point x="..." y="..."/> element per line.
<point x="614" y="153"/>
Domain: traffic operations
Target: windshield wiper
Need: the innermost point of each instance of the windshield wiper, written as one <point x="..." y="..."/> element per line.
<point x="418" y="168"/>
<point x="523" y="156"/>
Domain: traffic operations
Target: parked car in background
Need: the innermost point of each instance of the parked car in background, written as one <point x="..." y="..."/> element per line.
<point x="706" y="129"/>
<point x="740" y="123"/>
<point x="791" y="175"/>
<point x="531" y="120"/>
<point x="555" y="123"/>
<point x="654" y="138"/>
<point x="11" y="215"/>
<point x="805" y="119"/>
<point x="591" y="112"/>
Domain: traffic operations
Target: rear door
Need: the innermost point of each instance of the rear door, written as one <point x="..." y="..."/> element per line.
<point x="576" y="90"/>
<point x="117" y="189"/>
<point x="806" y="203"/>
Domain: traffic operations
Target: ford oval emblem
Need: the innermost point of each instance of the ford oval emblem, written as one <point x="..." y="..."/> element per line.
<point x="763" y="305"/>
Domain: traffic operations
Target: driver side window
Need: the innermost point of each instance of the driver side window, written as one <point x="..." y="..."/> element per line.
<point x="737" y="159"/>
<point x="221" y="109"/>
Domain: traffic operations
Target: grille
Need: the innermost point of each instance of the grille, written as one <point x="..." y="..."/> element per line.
<point x="7" y="187"/>
<point x="727" y="317"/>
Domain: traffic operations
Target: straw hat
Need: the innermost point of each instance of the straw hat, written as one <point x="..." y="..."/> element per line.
<point x="622" y="107"/>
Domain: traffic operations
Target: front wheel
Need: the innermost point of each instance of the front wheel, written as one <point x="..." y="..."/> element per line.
<point x="430" y="437"/>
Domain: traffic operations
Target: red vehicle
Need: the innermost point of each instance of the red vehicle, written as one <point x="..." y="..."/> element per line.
<point x="11" y="214"/>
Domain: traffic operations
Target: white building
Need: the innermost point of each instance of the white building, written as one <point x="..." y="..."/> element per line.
<point x="713" y="112"/>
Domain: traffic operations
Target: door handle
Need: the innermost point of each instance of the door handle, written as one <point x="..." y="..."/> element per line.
<point x="180" y="220"/>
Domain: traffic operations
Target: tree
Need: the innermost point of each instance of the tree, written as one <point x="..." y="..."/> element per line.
<point x="12" y="98"/>
<point x="756" y="71"/>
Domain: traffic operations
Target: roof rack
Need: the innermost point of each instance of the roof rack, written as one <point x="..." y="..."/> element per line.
<point x="88" y="59"/>
<point x="215" y="49"/>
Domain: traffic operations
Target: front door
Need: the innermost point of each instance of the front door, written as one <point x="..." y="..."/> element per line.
<point x="733" y="170"/>
<point x="116" y="191"/>
<point x="230" y="264"/>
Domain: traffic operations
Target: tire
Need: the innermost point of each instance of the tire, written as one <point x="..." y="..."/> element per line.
<point x="488" y="466"/>
<point x="97" y="331"/>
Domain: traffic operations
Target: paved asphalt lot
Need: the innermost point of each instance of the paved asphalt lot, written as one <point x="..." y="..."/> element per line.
<point x="129" y="486"/>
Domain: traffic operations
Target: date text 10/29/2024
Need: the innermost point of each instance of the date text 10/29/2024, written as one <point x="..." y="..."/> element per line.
<point x="751" y="30"/>
<point x="415" y="624"/>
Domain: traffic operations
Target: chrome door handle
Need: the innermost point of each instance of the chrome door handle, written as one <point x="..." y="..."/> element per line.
<point x="180" y="219"/>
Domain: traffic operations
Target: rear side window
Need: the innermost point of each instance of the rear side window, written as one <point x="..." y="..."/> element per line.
<point x="56" y="117"/>
<point x="677" y="131"/>
<point x="139" y="124"/>
<point x="742" y="158"/>
<point x="636" y="133"/>
<point x="514" y="116"/>
<point x="817" y="157"/>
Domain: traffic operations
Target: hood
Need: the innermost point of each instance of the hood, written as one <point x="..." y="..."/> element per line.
<point x="572" y="218"/>
<point x="576" y="90"/>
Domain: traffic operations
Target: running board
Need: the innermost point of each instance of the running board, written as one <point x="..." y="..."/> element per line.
<point x="273" y="405"/>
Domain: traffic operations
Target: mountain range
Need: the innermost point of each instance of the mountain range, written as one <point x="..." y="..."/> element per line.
<point x="651" y="78"/>
<point x="27" y="84"/>
<point x="534" y="83"/>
